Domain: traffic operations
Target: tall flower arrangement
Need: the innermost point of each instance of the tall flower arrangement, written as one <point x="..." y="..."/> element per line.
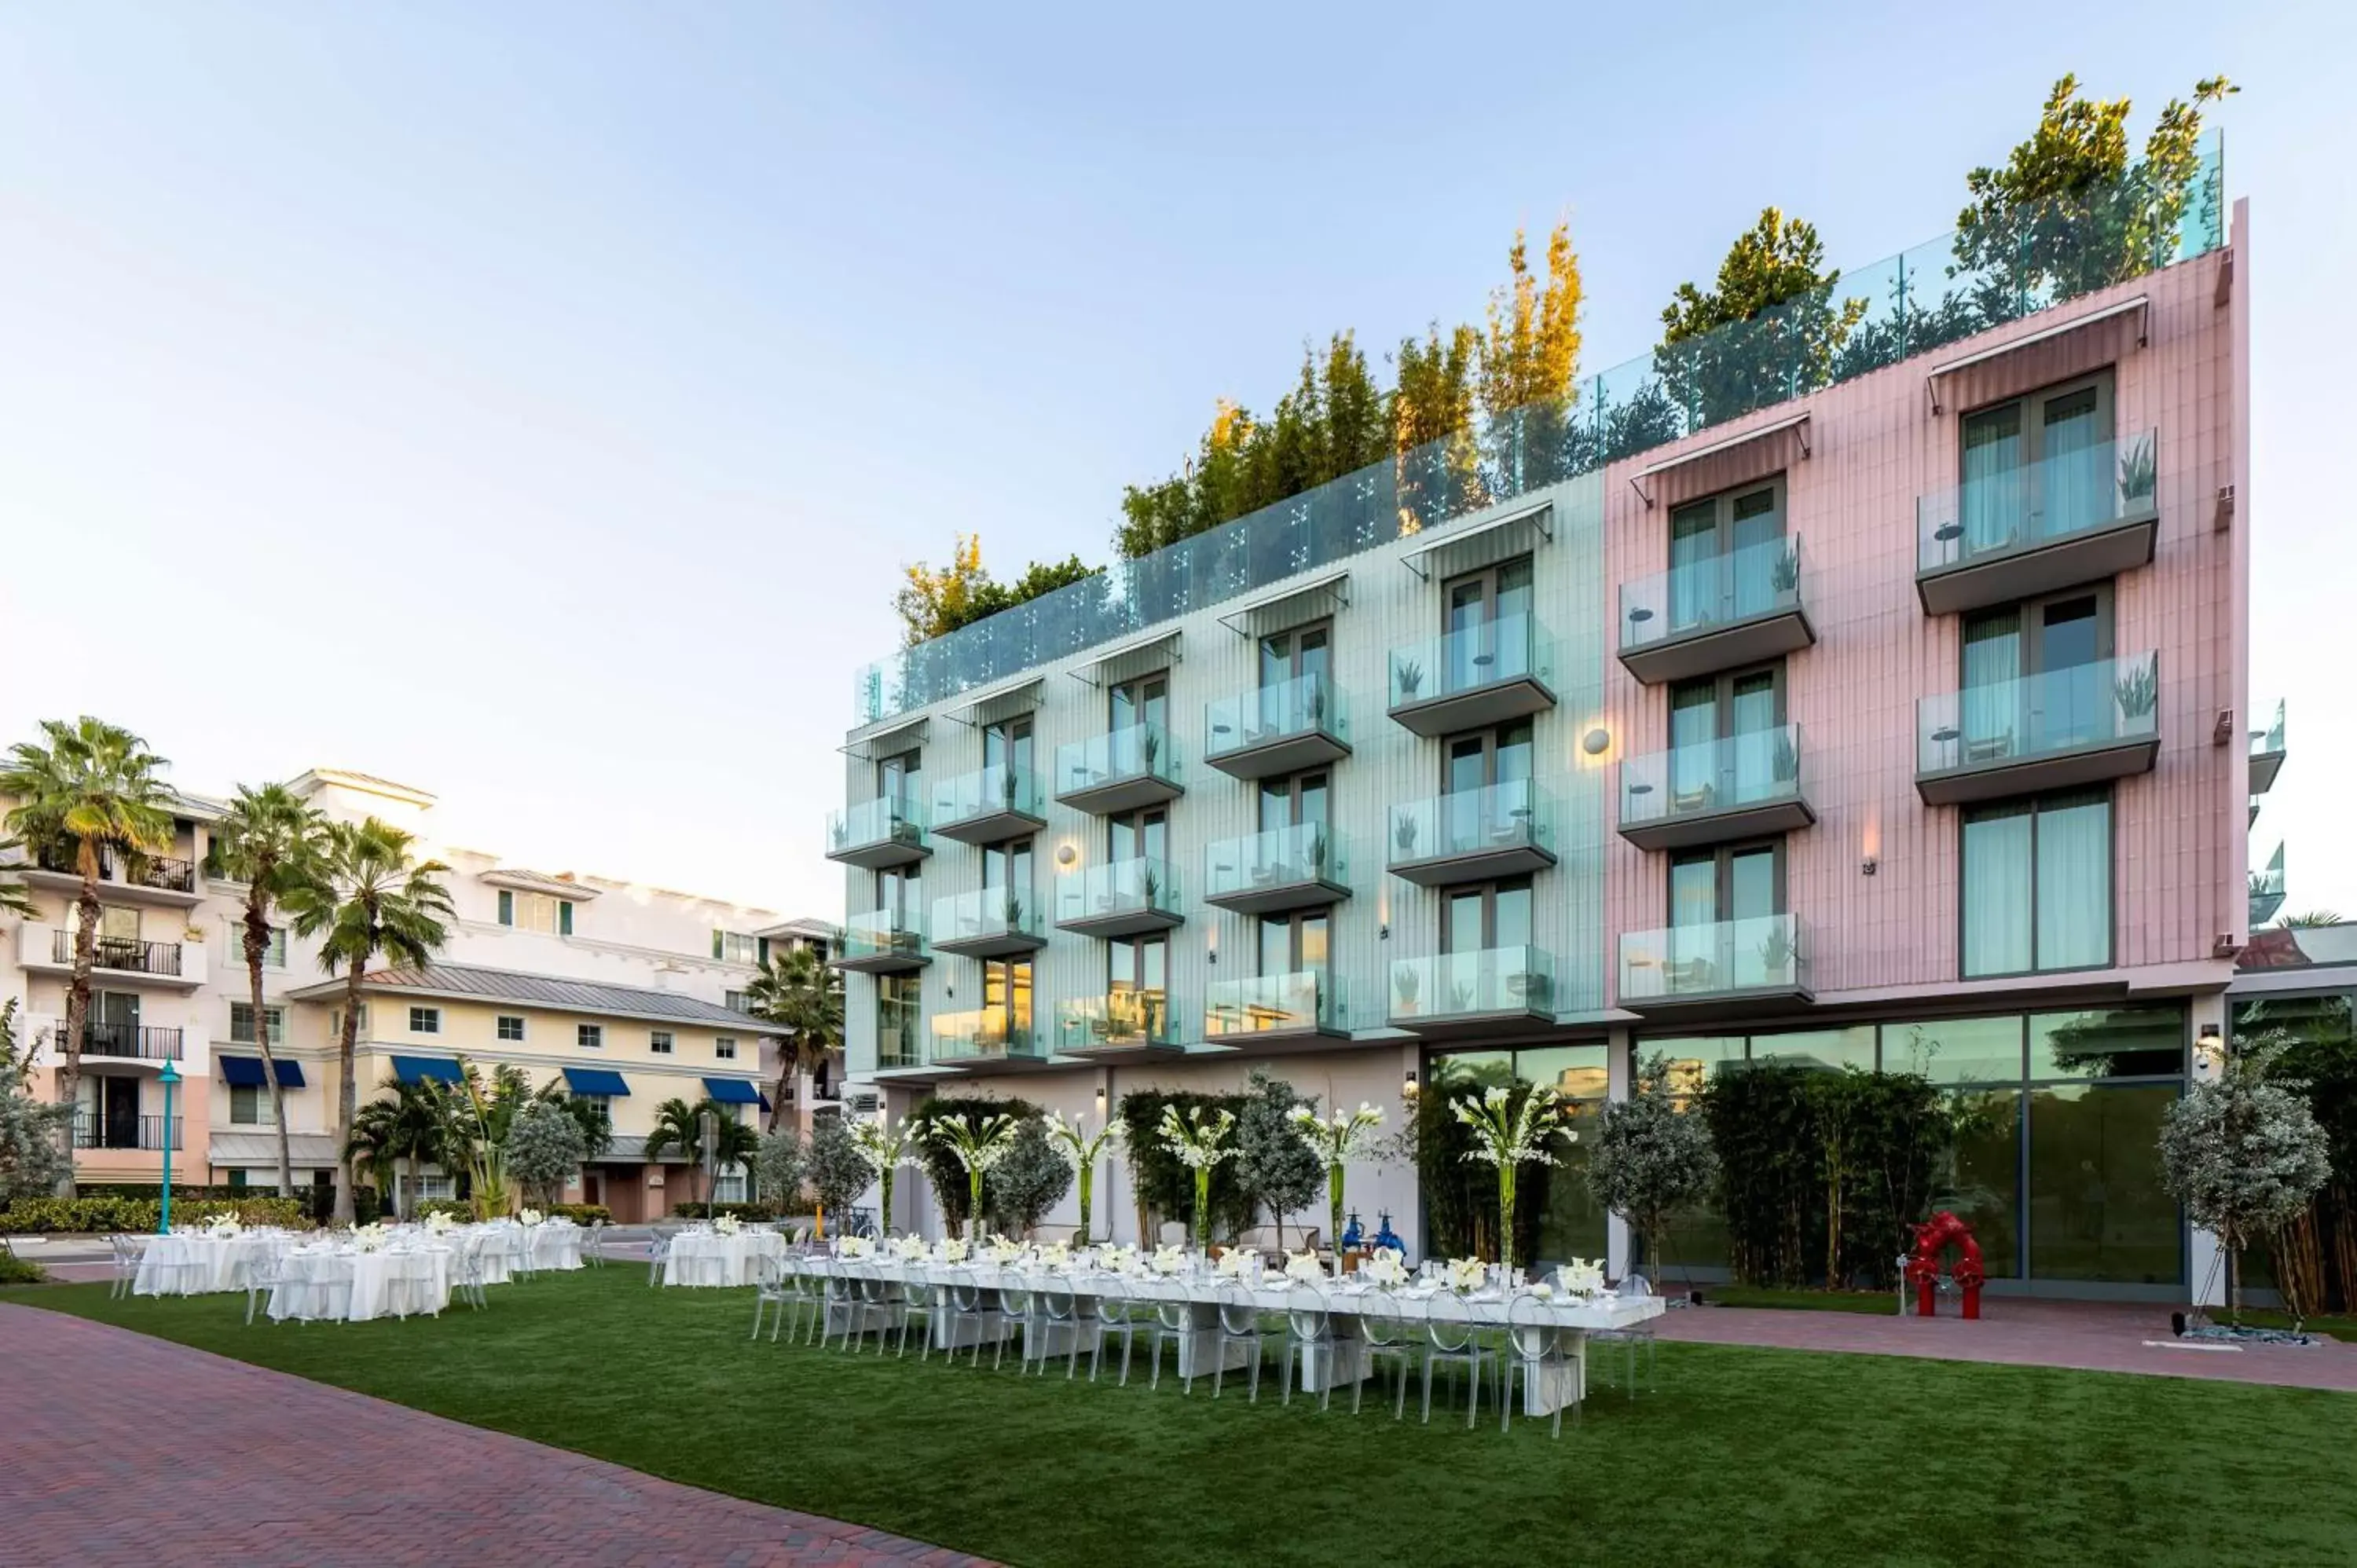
<point x="885" y="1146"/>
<point x="1200" y="1144"/>
<point x="1083" y="1150"/>
<point x="1510" y="1134"/>
<point x="977" y="1143"/>
<point x="1336" y="1140"/>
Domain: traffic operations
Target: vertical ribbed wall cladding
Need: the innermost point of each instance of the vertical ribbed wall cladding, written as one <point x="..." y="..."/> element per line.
<point x="1874" y="445"/>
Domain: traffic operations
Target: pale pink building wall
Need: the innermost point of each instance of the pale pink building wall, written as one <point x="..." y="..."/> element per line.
<point x="2180" y="849"/>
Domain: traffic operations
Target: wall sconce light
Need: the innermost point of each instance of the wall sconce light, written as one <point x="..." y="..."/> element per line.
<point x="1408" y="1085"/>
<point x="2210" y="1046"/>
<point x="1101" y="1101"/>
<point x="1596" y="741"/>
<point x="1866" y="867"/>
<point x="1066" y="854"/>
<point x="1384" y="931"/>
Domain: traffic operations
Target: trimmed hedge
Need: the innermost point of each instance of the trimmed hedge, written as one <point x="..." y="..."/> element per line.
<point x="317" y="1203"/>
<point x="581" y="1213"/>
<point x="16" y="1270"/>
<point x="44" y="1216"/>
<point x="755" y="1210"/>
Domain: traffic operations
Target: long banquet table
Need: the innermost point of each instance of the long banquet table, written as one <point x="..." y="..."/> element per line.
<point x="709" y="1258"/>
<point x="341" y="1282"/>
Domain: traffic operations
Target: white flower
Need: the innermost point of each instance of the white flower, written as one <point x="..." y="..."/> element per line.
<point x="225" y="1226"/>
<point x="1543" y="1292"/>
<point x="1386" y="1268"/>
<point x="727" y="1225"/>
<point x="907" y="1248"/>
<point x="1231" y="1263"/>
<point x="1197" y="1140"/>
<point x="1056" y="1255"/>
<point x="530" y="1217"/>
<point x="1582" y="1276"/>
<point x="1169" y="1259"/>
<point x="1505" y="1134"/>
<point x="1004" y="1252"/>
<point x="1072" y="1138"/>
<point x="952" y="1250"/>
<point x="1303" y="1266"/>
<point x="369" y="1238"/>
<point x="1116" y="1258"/>
<point x="1338" y="1139"/>
<point x="857" y="1247"/>
<point x="1466" y="1274"/>
<point x="440" y="1221"/>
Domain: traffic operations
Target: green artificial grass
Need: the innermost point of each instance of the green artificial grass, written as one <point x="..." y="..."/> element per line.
<point x="1735" y="1455"/>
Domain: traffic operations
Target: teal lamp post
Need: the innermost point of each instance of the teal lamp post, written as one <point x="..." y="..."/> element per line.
<point x="170" y="1079"/>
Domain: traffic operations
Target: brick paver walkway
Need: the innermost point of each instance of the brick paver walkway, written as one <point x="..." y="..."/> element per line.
<point x="2101" y="1337"/>
<point x="132" y="1451"/>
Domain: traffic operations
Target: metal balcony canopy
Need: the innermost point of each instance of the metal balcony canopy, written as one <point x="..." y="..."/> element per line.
<point x="2140" y="307"/>
<point x="1002" y="701"/>
<point x="1139" y="658"/>
<point x="1797" y="423"/>
<point x="900" y="734"/>
<point x="1511" y="531"/>
<point x="1290" y="608"/>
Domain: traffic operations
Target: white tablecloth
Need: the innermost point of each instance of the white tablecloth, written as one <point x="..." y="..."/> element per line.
<point x="708" y="1258"/>
<point x="196" y="1263"/>
<point x="321" y="1283"/>
<point x="557" y="1245"/>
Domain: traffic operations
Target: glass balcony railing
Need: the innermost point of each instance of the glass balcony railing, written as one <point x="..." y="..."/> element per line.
<point x="985" y="1035"/>
<point x="2001" y="270"/>
<point x="1711" y="776"/>
<point x="1443" y="986"/>
<point x="2269" y="742"/>
<point x="892" y="818"/>
<point x="2267" y="889"/>
<point x="1516" y="815"/>
<point x="1305" y="1000"/>
<point x="1475" y="659"/>
<point x="2108" y="701"/>
<point x="987" y="913"/>
<point x="1703" y="959"/>
<point x="1757" y="580"/>
<point x="1281" y="857"/>
<point x="1137" y="753"/>
<point x="1002" y="790"/>
<point x="884" y="934"/>
<point x="1138" y="886"/>
<point x="1120" y="1020"/>
<point x="2004" y="504"/>
<point x="1290" y="710"/>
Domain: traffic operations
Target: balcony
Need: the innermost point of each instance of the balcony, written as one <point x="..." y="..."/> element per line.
<point x="985" y="1038"/>
<point x="128" y="1043"/>
<point x="883" y="942"/>
<point x="1487" y="675"/>
<point x="1452" y="993"/>
<point x="112" y="1132"/>
<point x="1298" y="867"/>
<point x="2054" y="730"/>
<point x="1296" y="723"/>
<point x="1118" y="771"/>
<point x="896" y="1048"/>
<point x="150" y="879"/>
<point x="45" y="948"/>
<point x="1286" y="1012"/>
<point x="2267" y="889"/>
<point x="1714" y="791"/>
<point x="1122" y="899"/>
<point x="1730" y="610"/>
<point x="2267" y="753"/>
<point x="1471" y="835"/>
<point x="1704" y="970"/>
<point x="1119" y="1023"/>
<point x="2016" y="533"/>
<point x="991" y="922"/>
<point x="990" y="805"/>
<point x="878" y="834"/>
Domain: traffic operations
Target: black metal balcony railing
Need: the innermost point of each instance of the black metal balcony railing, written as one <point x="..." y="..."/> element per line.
<point x="124" y="953"/>
<point x="122" y="1131"/>
<point x="151" y="1044"/>
<point x="166" y="873"/>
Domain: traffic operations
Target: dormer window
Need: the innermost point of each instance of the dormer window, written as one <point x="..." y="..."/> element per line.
<point x="536" y="912"/>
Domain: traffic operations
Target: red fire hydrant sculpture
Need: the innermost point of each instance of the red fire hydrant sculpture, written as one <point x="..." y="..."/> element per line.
<point x="1931" y="1239"/>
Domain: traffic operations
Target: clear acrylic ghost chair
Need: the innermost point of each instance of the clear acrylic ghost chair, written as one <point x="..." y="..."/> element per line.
<point x="770" y="1290"/>
<point x="1113" y="1310"/>
<point x="1309" y="1335"/>
<point x="1018" y="1306"/>
<point x="1451" y="1339"/>
<point x="1535" y="1347"/>
<point x="971" y="1307"/>
<point x="1386" y="1332"/>
<point x="1632" y="1287"/>
<point x="1060" y="1313"/>
<point x="1240" y="1323"/>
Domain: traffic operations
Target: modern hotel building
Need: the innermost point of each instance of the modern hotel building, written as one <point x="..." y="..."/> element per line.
<point x="1880" y="706"/>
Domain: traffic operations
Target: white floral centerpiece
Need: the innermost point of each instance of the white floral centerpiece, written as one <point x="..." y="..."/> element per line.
<point x="441" y="1221"/>
<point x="1543" y="1291"/>
<point x="225" y="1228"/>
<point x="727" y="1225"/>
<point x="1581" y="1276"/>
<point x="1117" y="1258"/>
<point x="1082" y="1149"/>
<point x="885" y="1149"/>
<point x="977" y="1143"/>
<point x="1200" y="1144"/>
<point x="1386" y="1268"/>
<point x="909" y="1249"/>
<point x="857" y="1247"/>
<point x="531" y="1218"/>
<point x="1056" y="1255"/>
<point x="1169" y="1259"/>
<point x="369" y="1238"/>
<point x="1231" y="1263"/>
<point x="1465" y="1275"/>
<point x="1304" y="1266"/>
<point x="950" y="1249"/>
<point x="1336" y="1140"/>
<point x="1003" y="1252"/>
<point x="1511" y="1132"/>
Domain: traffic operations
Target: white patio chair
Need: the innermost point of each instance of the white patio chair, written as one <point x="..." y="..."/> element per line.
<point x="873" y="1308"/>
<point x="467" y="1270"/>
<point x="658" y="1256"/>
<point x="1174" y="1323"/>
<point x="262" y="1274"/>
<point x="593" y="1244"/>
<point x="126" y="1253"/>
<point x="1534" y="1349"/>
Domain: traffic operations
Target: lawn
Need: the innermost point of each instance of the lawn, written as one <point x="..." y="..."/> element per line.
<point x="1739" y="1455"/>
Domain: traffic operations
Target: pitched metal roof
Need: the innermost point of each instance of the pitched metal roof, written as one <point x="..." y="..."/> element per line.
<point x="466" y="982"/>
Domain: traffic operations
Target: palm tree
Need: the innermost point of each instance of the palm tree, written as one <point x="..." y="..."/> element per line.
<point x="92" y="789"/>
<point x="269" y="840"/>
<point x="2313" y="917"/>
<point x="680" y="1126"/>
<point x="412" y="1127"/>
<point x="803" y="997"/>
<point x="370" y="896"/>
<point x="14" y="899"/>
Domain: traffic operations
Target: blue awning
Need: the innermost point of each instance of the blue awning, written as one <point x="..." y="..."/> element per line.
<point x="595" y="1080"/>
<point x="419" y="1069"/>
<point x="242" y="1072"/>
<point x="290" y="1074"/>
<point x="765" y="1105"/>
<point x="732" y="1091"/>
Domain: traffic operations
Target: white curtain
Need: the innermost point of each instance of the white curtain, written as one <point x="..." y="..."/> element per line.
<point x="1992" y="694"/>
<point x="1997" y="891"/>
<point x="1991" y="502"/>
<point x="2075" y="471"/>
<point x="2074" y="884"/>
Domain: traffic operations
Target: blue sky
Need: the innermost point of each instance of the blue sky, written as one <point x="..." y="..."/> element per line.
<point x="554" y="390"/>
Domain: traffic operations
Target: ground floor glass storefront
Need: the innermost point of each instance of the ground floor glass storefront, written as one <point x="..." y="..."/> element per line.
<point x="1571" y="1223"/>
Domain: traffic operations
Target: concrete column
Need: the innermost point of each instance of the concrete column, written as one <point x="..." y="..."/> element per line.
<point x="2203" y="1256"/>
<point x="1410" y="1225"/>
<point x="1620" y="1074"/>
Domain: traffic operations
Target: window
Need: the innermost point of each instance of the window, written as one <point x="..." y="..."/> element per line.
<point x="1725" y="734"/>
<point x="728" y="1187"/>
<point x="1006" y="1000"/>
<point x="336" y="1022"/>
<point x="274" y="952"/>
<point x="733" y="1001"/>
<point x="590" y="1037"/>
<point x="1725" y="552"/>
<point x="724" y="1049"/>
<point x="425" y="1020"/>
<point x="536" y="912"/>
<point x="241" y="1023"/>
<point x="510" y="1027"/>
<point x="2037" y="467"/>
<point x="898" y="1010"/>
<point x="1143" y="701"/>
<point x="899" y="779"/>
<point x="249" y="1105"/>
<point x="735" y="947"/>
<point x="2038" y="884"/>
<point x="1008" y="744"/>
<point x="659" y="1042"/>
<point x="1137" y="982"/>
<point x="602" y="1101"/>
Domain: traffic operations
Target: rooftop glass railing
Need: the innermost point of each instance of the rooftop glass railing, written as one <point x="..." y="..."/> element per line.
<point x="1698" y="596"/>
<point x="1274" y="1004"/>
<point x="2104" y="703"/>
<point x="2270" y="741"/>
<point x="1304" y="705"/>
<point x="2031" y="259"/>
<point x="2006" y="504"/>
<point x="1305" y="852"/>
